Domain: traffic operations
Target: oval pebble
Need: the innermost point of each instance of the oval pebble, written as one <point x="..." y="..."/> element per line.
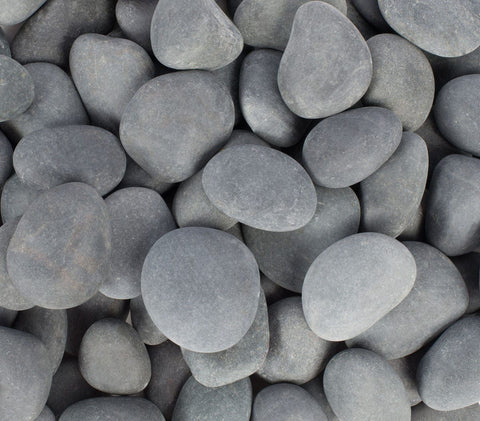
<point x="46" y="415"/>
<point x="469" y="267"/>
<point x="143" y="323"/>
<point x="423" y="413"/>
<point x="16" y="198"/>
<point x="344" y="149"/>
<point x="16" y="11"/>
<point x="6" y="154"/>
<point x="305" y="79"/>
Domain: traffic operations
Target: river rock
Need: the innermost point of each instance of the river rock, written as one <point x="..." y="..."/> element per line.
<point x="469" y="267"/>
<point x="16" y="11"/>
<point x="143" y="323"/>
<point x="371" y="12"/>
<point x="365" y="28"/>
<point x="16" y="198"/>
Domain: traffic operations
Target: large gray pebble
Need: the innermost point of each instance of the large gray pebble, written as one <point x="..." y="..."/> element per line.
<point x="354" y="283"/>
<point x="435" y="26"/>
<point x="7" y="317"/>
<point x="371" y="12"/>
<point x="16" y="198"/>
<point x="260" y="187"/>
<point x="53" y="156"/>
<point x="120" y="66"/>
<point x="138" y="218"/>
<point x="360" y="385"/>
<point x="406" y="370"/>
<point x="196" y="402"/>
<point x="143" y="323"/>
<point x="311" y="84"/>
<point x="46" y="415"/>
<point x="59" y="253"/>
<point x="286" y="256"/>
<point x="469" y="267"/>
<point x="344" y="149"/>
<point x="448" y="373"/>
<point x="16" y="11"/>
<point x="6" y="154"/>
<point x="209" y="304"/>
<point x="423" y="413"/>
<point x="166" y="132"/>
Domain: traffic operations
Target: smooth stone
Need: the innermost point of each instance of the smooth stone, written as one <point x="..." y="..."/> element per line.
<point x="296" y="354"/>
<point x="169" y="373"/>
<point x="113" y="359"/>
<point x="46" y="415"/>
<point x="315" y="388"/>
<point x="138" y="217"/>
<point x="59" y="253"/>
<point x="238" y="362"/>
<point x="285" y="257"/>
<point x="232" y="402"/>
<point x="49" y="34"/>
<point x="406" y="371"/>
<point x="120" y="66"/>
<point x="305" y="75"/>
<point x="371" y="12"/>
<point x="402" y="80"/>
<point x="452" y="221"/>
<point x="53" y="156"/>
<point x="469" y="267"/>
<point x="4" y="44"/>
<point x="423" y="413"/>
<point x="391" y="196"/>
<point x="260" y="187"/>
<point x="344" y="149"/>
<point x="6" y="154"/>
<point x="286" y="402"/>
<point x="262" y="105"/>
<point x="268" y="23"/>
<point x="118" y="408"/>
<point x="17" y="90"/>
<point x="194" y="34"/>
<point x="136" y="176"/>
<point x="354" y="283"/>
<point x="457" y="112"/>
<point x="448" y="373"/>
<point x="273" y="292"/>
<point x="143" y="323"/>
<point x="56" y="103"/>
<point x="360" y="385"/>
<point x="434" y="26"/>
<point x="25" y="375"/>
<point x="16" y="11"/>
<point x="50" y="326"/>
<point x="364" y="27"/>
<point x="7" y="317"/>
<point x="16" y="198"/>
<point x="209" y="304"/>
<point x="167" y="134"/>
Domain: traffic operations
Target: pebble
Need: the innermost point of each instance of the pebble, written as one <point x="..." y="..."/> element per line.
<point x="46" y="415"/>
<point x="136" y="176"/>
<point x="153" y="136"/>
<point x="16" y="198"/>
<point x="113" y="359"/>
<point x="7" y="317"/>
<point x="143" y="323"/>
<point x="469" y="267"/>
<point x="354" y="283"/>
<point x="16" y="11"/>
<point x="6" y="154"/>
<point x="406" y="370"/>
<point x="305" y="73"/>
<point x="68" y="271"/>
<point x="359" y="140"/>
<point x="422" y="412"/>
<point x="221" y="276"/>
<point x="371" y="12"/>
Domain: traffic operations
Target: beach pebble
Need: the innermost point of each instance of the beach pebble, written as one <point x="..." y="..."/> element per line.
<point x="371" y="12"/>
<point x="469" y="267"/>
<point x="143" y="323"/>
<point x="16" y="198"/>
<point x="16" y="11"/>
<point x="46" y="415"/>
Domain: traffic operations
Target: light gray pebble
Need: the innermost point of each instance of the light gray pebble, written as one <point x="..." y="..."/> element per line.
<point x="468" y="265"/>
<point x="244" y="137"/>
<point x="16" y="198"/>
<point x="406" y="370"/>
<point x="422" y="412"/>
<point x="143" y="324"/>
<point x="16" y="11"/>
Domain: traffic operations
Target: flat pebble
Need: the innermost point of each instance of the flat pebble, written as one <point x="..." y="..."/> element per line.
<point x="7" y="317"/>
<point x="143" y="323"/>
<point x="16" y="11"/>
<point x="406" y="370"/>
<point x="469" y="267"/>
<point x="371" y="12"/>
<point x="16" y="198"/>
<point x="6" y="154"/>
<point x="46" y="415"/>
<point x="422" y="412"/>
<point x="136" y="176"/>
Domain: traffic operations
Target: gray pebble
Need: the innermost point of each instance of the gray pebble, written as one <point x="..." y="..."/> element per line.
<point x="166" y="132"/>
<point x="16" y="198"/>
<point x="68" y="271"/>
<point x="371" y="12"/>
<point x="360" y="385"/>
<point x="423" y="413"/>
<point x="143" y="323"/>
<point x="273" y="292"/>
<point x="315" y="388"/>
<point x="468" y="265"/>
<point x="311" y="84"/>
<point x="53" y="156"/>
<point x="7" y="317"/>
<point x="286" y="256"/>
<point x="6" y="154"/>
<point x="406" y="371"/>
<point x="136" y="176"/>
<point x="354" y="283"/>
<point x="113" y="359"/>
<point x="4" y="44"/>
<point x="46" y="415"/>
<point x="209" y="304"/>
<point x="15" y="11"/>
<point x="344" y="149"/>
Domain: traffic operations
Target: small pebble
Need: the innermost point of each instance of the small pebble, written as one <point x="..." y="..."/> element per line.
<point x="4" y="44"/>
<point x="136" y="176"/>
<point x="315" y="388"/>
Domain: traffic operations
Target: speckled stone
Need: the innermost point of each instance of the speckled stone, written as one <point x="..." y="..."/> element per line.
<point x="7" y="317"/>
<point x="315" y="388"/>
<point x="371" y="12"/>
<point x="360" y="140"/>
<point x="4" y="44"/>
<point x="6" y="154"/>
<point x="311" y="84"/>
<point x="16" y="198"/>
<point x="232" y="402"/>
<point x="165" y="131"/>
<point x="16" y="11"/>
<point x="143" y="323"/>
<point x="46" y="415"/>
<point x="360" y="385"/>
<point x="406" y="370"/>
<point x="469" y="266"/>
<point x="354" y="283"/>
<point x="68" y="271"/>
<point x="136" y="176"/>
<point x="422" y="412"/>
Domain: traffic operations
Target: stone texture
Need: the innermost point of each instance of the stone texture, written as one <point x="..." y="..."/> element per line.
<point x="423" y="413"/>
<point x="406" y="370"/>
<point x="143" y="323"/>
<point x="371" y="12"/>
<point x="6" y="154"/>
<point x="469" y="267"/>
<point x="16" y="11"/>
<point x="16" y="198"/>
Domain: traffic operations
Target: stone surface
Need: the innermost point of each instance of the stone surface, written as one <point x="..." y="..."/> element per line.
<point x="360" y="140"/>
<point x="46" y="415"/>
<point x="16" y="198"/>
<point x="406" y="370"/>
<point x="143" y="323"/>
<point x="371" y="12"/>
<point x="6" y="164"/>
<point x="469" y="267"/>
<point x="354" y="283"/>
<point x="7" y="317"/>
<point x="136" y="176"/>
<point x="422" y="412"/>
<point x="16" y="11"/>
<point x="360" y="385"/>
<point x="68" y="271"/>
<point x="165" y="131"/>
<point x="305" y="75"/>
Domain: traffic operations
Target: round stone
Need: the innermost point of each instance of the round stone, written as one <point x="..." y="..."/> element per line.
<point x="469" y="267"/>
<point x="143" y="323"/>
<point x="16" y="198"/>
<point x="136" y="176"/>
<point x="209" y="304"/>
<point x="14" y="11"/>
<point x="371" y="12"/>
<point x="6" y="154"/>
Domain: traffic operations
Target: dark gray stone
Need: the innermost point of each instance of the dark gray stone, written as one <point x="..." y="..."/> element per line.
<point x="166" y="132"/>
<point x="107" y="72"/>
<point x="15" y="11"/>
<point x="244" y="137"/>
<point x="448" y="373"/>
<point x="406" y="371"/>
<point x="415" y="229"/>
<point x="364" y="27"/>
<point x="273" y="292"/>
<point x="434" y="25"/>
<point x="6" y="164"/>
<point x="113" y="359"/>
<point x="371" y="12"/>
<point x="360" y="385"/>
<point x="232" y="402"/>
<point x="4" y="44"/>
<point x="286" y="256"/>
<point x="143" y="323"/>
<point x="194" y="34"/>
<point x="354" y="283"/>
<point x="56" y="103"/>
<point x="138" y="217"/>
<point x="59" y="253"/>
<point x="315" y="388"/>
<point x="136" y="176"/>
<point x="260" y="187"/>
<point x="236" y="231"/>
<point x="16" y="198"/>
<point x="7" y="317"/>
<point x="469" y="265"/>
<point x="209" y="304"/>
<point x="344" y="149"/>
<point x="48" y="35"/>
<point x="311" y="84"/>
<point x="423" y="413"/>
<point x="46" y="415"/>
<point x="53" y="156"/>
